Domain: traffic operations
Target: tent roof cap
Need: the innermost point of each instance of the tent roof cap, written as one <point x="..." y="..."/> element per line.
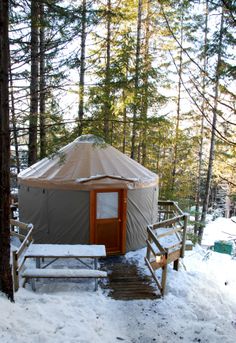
<point x="90" y="139"/>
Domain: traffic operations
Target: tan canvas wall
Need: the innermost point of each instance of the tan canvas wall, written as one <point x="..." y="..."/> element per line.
<point x="63" y="216"/>
<point x="58" y="216"/>
<point x="141" y="211"/>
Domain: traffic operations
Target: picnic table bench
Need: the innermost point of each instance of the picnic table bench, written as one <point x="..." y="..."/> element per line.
<point x="40" y="252"/>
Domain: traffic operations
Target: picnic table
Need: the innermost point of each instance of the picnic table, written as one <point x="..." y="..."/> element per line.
<point x="40" y="252"/>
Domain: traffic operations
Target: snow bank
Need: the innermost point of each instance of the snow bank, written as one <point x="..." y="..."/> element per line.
<point x="199" y="306"/>
<point x="220" y="229"/>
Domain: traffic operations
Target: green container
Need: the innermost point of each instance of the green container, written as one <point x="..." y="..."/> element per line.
<point x="223" y="247"/>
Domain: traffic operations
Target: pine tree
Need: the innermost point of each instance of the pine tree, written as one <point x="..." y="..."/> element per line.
<point x="82" y="65"/>
<point x="213" y="127"/>
<point x="34" y="82"/>
<point x="136" y="78"/>
<point x="42" y="82"/>
<point x="5" y="268"/>
<point x="203" y="114"/>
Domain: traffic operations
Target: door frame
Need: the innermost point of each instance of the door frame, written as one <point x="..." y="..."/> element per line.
<point x="122" y="207"/>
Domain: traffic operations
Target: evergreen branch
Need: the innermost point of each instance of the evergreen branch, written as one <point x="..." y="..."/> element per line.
<point x="230" y="182"/>
<point x="209" y="103"/>
<point x="201" y="111"/>
<point x="181" y="46"/>
<point x="229" y="6"/>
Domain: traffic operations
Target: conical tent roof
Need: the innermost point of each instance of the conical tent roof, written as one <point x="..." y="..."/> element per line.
<point x="88" y="163"/>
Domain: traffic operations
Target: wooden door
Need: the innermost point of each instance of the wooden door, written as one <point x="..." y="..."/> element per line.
<point x="108" y="219"/>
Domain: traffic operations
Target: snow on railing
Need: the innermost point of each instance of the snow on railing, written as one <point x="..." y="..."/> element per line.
<point x="24" y="232"/>
<point x="166" y="241"/>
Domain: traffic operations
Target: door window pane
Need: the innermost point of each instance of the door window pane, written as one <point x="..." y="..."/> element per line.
<point x="107" y="205"/>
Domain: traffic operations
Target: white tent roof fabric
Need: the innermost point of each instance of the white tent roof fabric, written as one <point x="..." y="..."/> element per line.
<point x="88" y="163"/>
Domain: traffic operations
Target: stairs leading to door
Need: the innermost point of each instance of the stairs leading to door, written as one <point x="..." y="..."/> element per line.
<point x="126" y="280"/>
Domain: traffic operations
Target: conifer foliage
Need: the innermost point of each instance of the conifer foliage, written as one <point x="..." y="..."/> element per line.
<point x="153" y="78"/>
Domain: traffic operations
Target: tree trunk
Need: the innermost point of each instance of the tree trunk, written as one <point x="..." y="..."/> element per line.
<point x="107" y="100"/>
<point x="136" y="80"/>
<point x="124" y="100"/>
<point x="145" y="81"/>
<point x="175" y="160"/>
<point x="124" y="121"/>
<point x="42" y="84"/>
<point x="5" y="268"/>
<point x="33" y="119"/>
<point x="82" y="67"/>
<point x="13" y="121"/>
<point x="213" y="132"/>
<point x="203" y="108"/>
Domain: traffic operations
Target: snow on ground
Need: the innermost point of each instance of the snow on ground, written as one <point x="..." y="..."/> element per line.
<point x="199" y="306"/>
<point x="220" y="229"/>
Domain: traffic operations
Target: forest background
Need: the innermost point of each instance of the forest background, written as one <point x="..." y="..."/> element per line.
<point x="155" y="79"/>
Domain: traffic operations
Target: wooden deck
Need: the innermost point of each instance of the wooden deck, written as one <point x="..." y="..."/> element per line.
<point x="126" y="281"/>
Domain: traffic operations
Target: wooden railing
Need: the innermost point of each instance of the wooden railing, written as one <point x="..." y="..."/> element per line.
<point x="24" y="232"/>
<point x="166" y="241"/>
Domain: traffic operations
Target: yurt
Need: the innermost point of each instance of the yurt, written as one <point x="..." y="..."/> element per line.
<point x="89" y="192"/>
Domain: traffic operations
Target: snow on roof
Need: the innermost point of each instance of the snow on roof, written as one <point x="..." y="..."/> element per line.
<point x="84" y="158"/>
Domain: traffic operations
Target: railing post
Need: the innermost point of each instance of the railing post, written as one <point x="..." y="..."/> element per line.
<point x="148" y="249"/>
<point x="184" y="234"/>
<point x="15" y="270"/>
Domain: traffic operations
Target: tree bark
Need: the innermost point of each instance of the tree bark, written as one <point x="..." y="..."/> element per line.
<point x="180" y="71"/>
<point x="124" y="122"/>
<point x="42" y="83"/>
<point x="136" y="80"/>
<point x="107" y="100"/>
<point x="33" y="119"/>
<point x="145" y="81"/>
<point x="14" y="122"/>
<point x="203" y="108"/>
<point x="5" y="268"/>
<point x="82" y="67"/>
<point x="213" y="132"/>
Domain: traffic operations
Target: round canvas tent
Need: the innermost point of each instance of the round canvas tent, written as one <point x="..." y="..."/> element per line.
<point x="89" y="192"/>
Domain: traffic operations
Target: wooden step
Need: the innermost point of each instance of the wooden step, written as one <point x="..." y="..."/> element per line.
<point x="126" y="281"/>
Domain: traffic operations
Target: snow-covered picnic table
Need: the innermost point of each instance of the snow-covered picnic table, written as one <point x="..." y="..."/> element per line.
<point x="56" y="251"/>
<point x="65" y="250"/>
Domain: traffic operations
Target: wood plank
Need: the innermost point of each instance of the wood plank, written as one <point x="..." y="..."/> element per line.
<point x="157" y="265"/>
<point x="149" y="246"/>
<point x="65" y="250"/>
<point x="167" y="222"/>
<point x="153" y="274"/>
<point x="155" y="240"/>
<point x="16" y="234"/>
<point x="174" y="246"/>
<point x="21" y="225"/>
<point x="176" y="265"/>
<point x="163" y="279"/>
<point x="169" y="233"/>
<point x="126" y="282"/>
<point x="92" y="216"/>
<point x="173" y="256"/>
<point x="123" y="209"/>
<point x="184" y="234"/>
<point x="63" y="273"/>
<point x="28" y="238"/>
<point x="15" y="271"/>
